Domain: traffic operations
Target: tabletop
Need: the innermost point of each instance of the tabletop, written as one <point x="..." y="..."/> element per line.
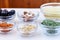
<point x="14" y="35"/>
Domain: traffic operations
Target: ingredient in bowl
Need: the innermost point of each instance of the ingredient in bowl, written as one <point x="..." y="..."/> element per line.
<point x="49" y="22"/>
<point x="26" y="29"/>
<point x="12" y="12"/>
<point x="5" y="14"/>
<point x="27" y="16"/>
<point x="52" y="12"/>
<point x="5" y="26"/>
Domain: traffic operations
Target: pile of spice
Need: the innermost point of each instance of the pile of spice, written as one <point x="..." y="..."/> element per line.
<point x="28" y="16"/>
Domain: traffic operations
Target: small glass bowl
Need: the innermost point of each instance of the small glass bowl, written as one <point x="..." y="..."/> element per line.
<point x="7" y="14"/>
<point x="6" y="26"/>
<point x="27" y="29"/>
<point x="36" y="15"/>
<point x="50" y="30"/>
<point x="51" y="10"/>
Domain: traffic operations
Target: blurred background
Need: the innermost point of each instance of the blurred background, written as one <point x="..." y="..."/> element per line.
<point x="24" y="3"/>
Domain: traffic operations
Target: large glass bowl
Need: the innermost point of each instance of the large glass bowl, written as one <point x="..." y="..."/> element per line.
<point x="51" y="10"/>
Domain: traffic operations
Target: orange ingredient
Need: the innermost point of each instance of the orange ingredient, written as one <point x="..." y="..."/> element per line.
<point x="5" y="25"/>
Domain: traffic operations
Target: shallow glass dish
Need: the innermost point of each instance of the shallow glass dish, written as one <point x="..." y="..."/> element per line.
<point x="51" y="10"/>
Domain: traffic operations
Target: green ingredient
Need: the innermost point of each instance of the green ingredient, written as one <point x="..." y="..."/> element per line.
<point x="48" y="22"/>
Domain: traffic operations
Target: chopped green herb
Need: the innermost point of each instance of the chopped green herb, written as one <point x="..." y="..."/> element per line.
<point x="48" y="22"/>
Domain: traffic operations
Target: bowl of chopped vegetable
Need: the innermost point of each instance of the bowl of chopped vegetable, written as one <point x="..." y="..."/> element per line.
<point x="51" y="27"/>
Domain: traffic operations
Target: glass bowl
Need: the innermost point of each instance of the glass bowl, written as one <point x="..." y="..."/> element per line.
<point x="7" y="14"/>
<point x="51" y="10"/>
<point x="27" y="29"/>
<point x="6" y="26"/>
<point x="28" y="16"/>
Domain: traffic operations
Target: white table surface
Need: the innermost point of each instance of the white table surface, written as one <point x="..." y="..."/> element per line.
<point x="38" y="36"/>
